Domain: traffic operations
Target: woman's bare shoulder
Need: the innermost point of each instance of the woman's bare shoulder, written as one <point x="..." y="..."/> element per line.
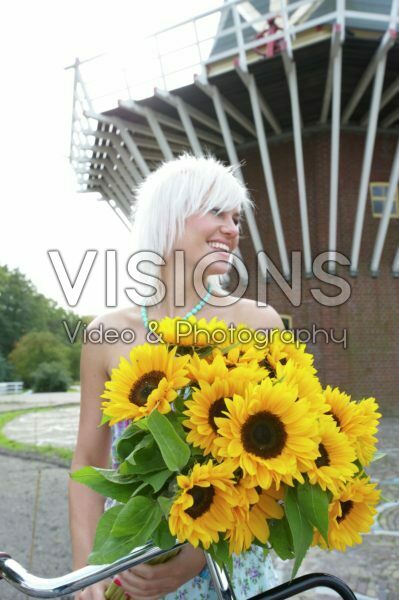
<point x="257" y="315"/>
<point x="118" y="319"/>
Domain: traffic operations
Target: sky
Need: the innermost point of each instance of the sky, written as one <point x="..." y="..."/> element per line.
<point x="40" y="209"/>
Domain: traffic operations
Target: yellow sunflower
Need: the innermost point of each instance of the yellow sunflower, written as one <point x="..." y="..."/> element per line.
<point x="207" y="403"/>
<point x="255" y="508"/>
<point x="204" y="505"/>
<point x="267" y="431"/>
<point x="309" y="387"/>
<point x="281" y="347"/>
<point x="149" y="381"/>
<point x="190" y="331"/>
<point x="365" y="444"/>
<point x="245" y="349"/>
<point x="350" y="514"/>
<point x="335" y="464"/>
<point x="345" y="413"/>
<point x="202" y="369"/>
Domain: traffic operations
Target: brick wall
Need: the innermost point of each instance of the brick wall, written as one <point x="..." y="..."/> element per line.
<point x="370" y="363"/>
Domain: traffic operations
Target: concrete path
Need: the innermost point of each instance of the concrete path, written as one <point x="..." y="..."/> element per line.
<point x="34" y="530"/>
<point x="57" y="427"/>
<point x="10" y="402"/>
<point x="34" y="519"/>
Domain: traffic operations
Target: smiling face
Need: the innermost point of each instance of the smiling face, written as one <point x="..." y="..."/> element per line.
<point x="215" y="232"/>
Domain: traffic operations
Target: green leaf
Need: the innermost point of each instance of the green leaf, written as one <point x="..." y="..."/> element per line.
<point x="142" y="424"/>
<point x="301" y="529"/>
<point x="313" y="503"/>
<point x="105" y="525"/>
<point x="165" y="504"/>
<point x="128" y="441"/>
<point x="280" y="538"/>
<point x="378" y="455"/>
<point x="99" y="481"/>
<point x="174" y="450"/>
<point x="162" y="536"/>
<point x="113" y="549"/>
<point x="137" y="519"/>
<point x="227" y="349"/>
<point x="157" y="480"/>
<point x="104" y="419"/>
<point x="146" y="459"/>
<point x="220" y="553"/>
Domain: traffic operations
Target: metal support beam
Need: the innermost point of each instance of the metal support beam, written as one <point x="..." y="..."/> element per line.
<point x="126" y="137"/>
<point x="395" y="265"/>
<point x="384" y="222"/>
<point x="387" y="96"/>
<point x="290" y="70"/>
<point x="176" y="124"/>
<point x="106" y="194"/>
<point x="367" y="159"/>
<point x="391" y="118"/>
<point x="380" y="55"/>
<point x="156" y="129"/>
<point x="111" y="152"/>
<point x="125" y="196"/>
<point x="177" y="102"/>
<point x="187" y="123"/>
<point x="227" y="106"/>
<point x="250" y="84"/>
<point x="213" y="92"/>
<point x="117" y="142"/>
<point x="335" y="139"/>
<point x="336" y="45"/>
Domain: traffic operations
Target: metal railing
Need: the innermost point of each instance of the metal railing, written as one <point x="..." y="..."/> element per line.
<point x="11" y="387"/>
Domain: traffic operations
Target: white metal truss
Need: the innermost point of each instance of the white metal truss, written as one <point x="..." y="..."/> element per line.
<point x="249" y="82"/>
<point x="333" y="87"/>
<point x="391" y="118"/>
<point x="220" y="108"/>
<point x="374" y="66"/>
<point x="180" y="104"/>
<point x="290" y="70"/>
<point x="378" y="66"/>
<point x="187" y="123"/>
<point x="395" y="265"/>
<point x="387" y="96"/>
<point x="202" y="134"/>
<point x="384" y="222"/>
<point x="154" y="124"/>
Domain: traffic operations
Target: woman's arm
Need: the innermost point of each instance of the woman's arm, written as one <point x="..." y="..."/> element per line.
<point x="92" y="448"/>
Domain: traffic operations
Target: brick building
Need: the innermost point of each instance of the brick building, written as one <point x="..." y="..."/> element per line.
<point x="305" y="94"/>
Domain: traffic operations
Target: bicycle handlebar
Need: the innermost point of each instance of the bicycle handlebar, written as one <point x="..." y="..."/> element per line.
<point x="38" y="587"/>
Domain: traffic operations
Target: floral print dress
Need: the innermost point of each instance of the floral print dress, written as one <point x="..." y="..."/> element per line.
<point x="253" y="573"/>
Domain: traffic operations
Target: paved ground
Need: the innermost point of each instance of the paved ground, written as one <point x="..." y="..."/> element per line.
<point x="27" y="400"/>
<point x="34" y="524"/>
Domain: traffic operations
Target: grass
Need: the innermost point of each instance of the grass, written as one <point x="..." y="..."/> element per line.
<point x="19" y="448"/>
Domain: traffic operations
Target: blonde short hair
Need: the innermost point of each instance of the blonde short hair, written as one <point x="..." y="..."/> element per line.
<point x="177" y="190"/>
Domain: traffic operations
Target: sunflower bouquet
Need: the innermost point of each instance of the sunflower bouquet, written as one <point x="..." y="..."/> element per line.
<point x="231" y="441"/>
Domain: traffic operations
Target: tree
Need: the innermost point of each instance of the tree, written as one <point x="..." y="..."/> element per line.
<point x="35" y="348"/>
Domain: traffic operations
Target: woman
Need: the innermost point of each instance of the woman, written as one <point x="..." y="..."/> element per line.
<point x="193" y="205"/>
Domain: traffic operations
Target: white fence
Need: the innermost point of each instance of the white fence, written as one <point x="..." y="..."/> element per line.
<point x="11" y="387"/>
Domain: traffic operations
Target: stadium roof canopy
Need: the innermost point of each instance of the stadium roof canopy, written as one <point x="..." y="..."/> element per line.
<point x="246" y="72"/>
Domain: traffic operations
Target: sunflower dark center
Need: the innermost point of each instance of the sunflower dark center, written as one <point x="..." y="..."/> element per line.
<point x="264" y="435"/>
<point x="346" y="507"/>
<point x="265" y="364"/>
<point x="338" y="422"/>
<point x="216" y="410"/>
<point x="323" y="460"/>
<point x="144" y="386"/>
<point x="202" y="497"/>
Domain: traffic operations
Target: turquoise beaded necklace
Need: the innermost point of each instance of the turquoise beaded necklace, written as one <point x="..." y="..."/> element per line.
<point x="193" y="311"/>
